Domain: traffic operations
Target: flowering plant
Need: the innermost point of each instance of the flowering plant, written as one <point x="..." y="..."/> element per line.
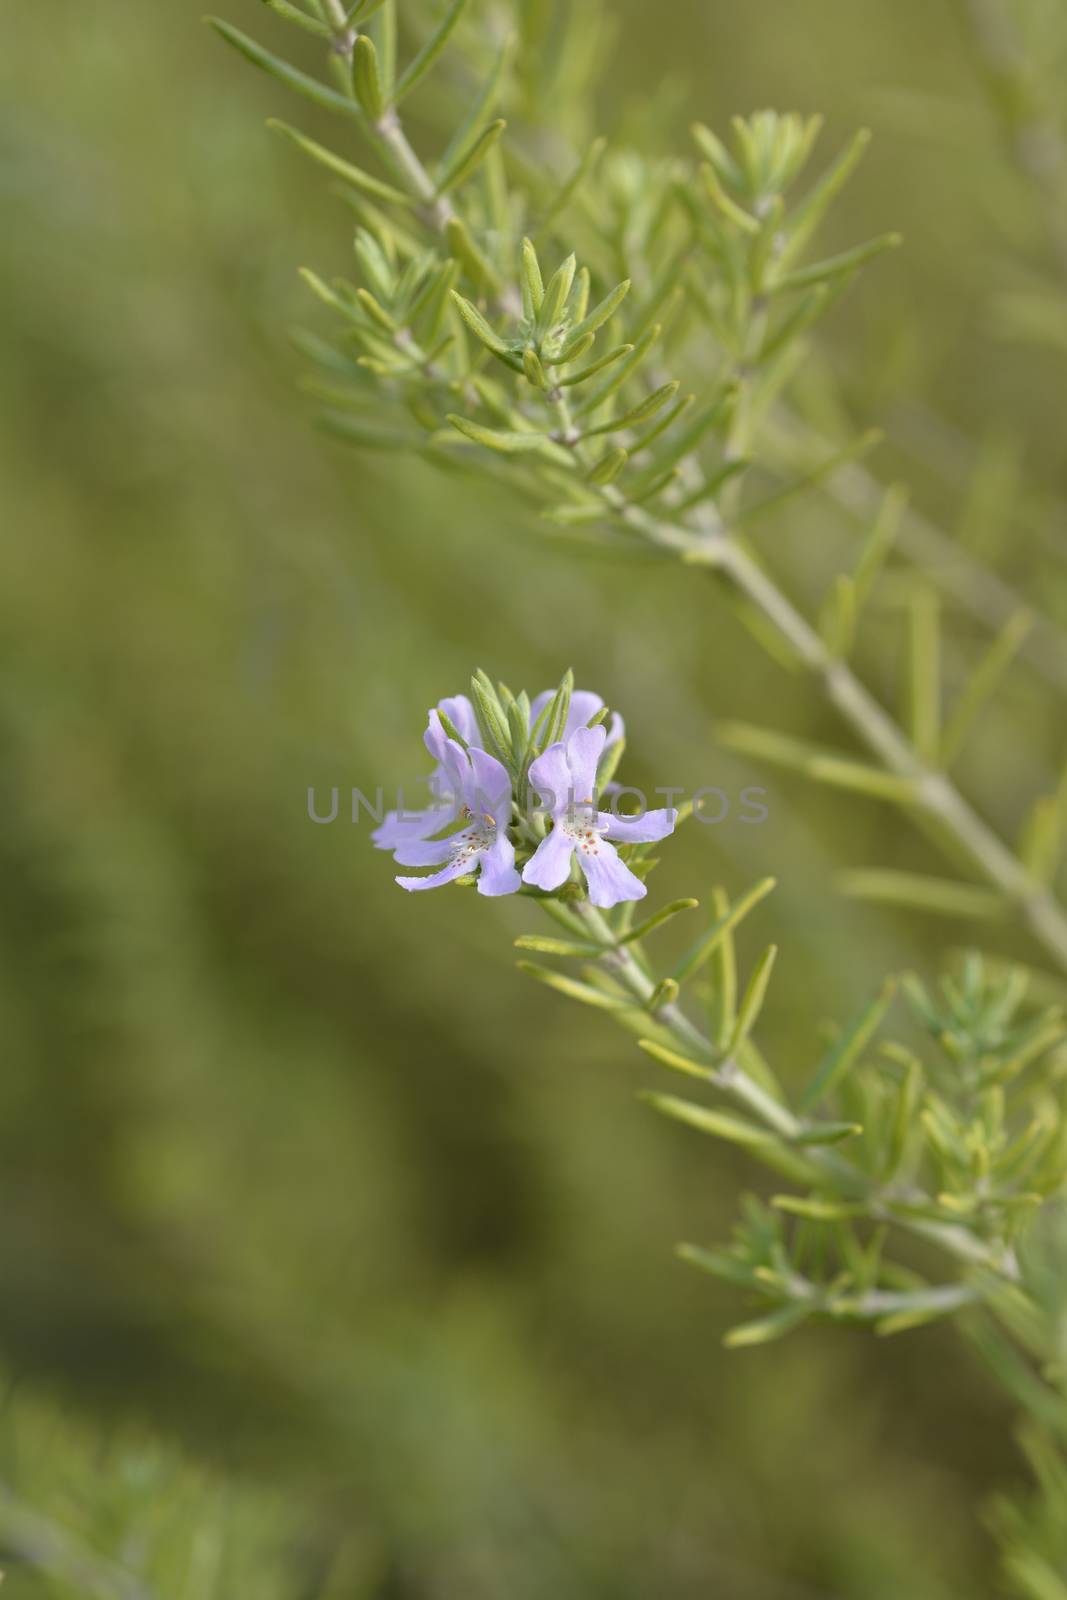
<point x="526" y="318"/>
<point x="554" y="752"/>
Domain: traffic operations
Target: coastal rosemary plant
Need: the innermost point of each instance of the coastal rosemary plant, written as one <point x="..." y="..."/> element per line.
<point x="612" y="335"/>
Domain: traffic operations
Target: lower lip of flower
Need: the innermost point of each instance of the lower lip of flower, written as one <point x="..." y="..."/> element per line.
<point x="473" y="842"/>
<point x="584" y="835"/>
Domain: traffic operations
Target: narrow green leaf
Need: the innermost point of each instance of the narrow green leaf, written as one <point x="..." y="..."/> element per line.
<point x="376" y="311"/>
<point x="300" y="19"/>
<point x="837" y="618"/>
<point x="657" y="920"/>
<point x="983" y="684"/>
<point x="573" y="989"/>
<point x="595" y="319"/>
<point x="722" y="1007"/>
<point x="676" y="1062"/>
<point x="478" y="325"/>
<point x="647" y="408"/>
<point x="556" y="295"/>
<point x="507" y="443"/>
<point x="818" y="474"/>
<point x="807" y="216"/>
<point x="661" y="464"/>
<point x="919" y="892"/>
<point x="558" y="711"/>
<point x="588" y="161"/>
<point x="720" y="1124"/>
<point x="834" y="266"/>
<point x="377" y="266"/>
<point x="725" y="922"/>
<point x="879" y="542"/>
<point x="535" y="372"/>
<point x="450" y="728"/>
<point x="816" y="1208"/>
<point x="716" y="481"/>
<point x="624" y="369"/>
<point x="320" y="93"/>
<point x="907" y="1321"/>
<point x="752" y="1000"/>
<point x="838" y="772"/>
<point x="1042" y="838"/>
<point x="924" y="673"/>
<point x="384" y="33"/>
<point x="720" y="1263"/>
<point x="728" y="207"/>
<point x="795" y="324"/>
<point x="451" y="177"/>
<point x="364" y="10"/>
<point x="718" y="155"/>
<point x="643" y="496"/>
<point x="906" y="1110"/>
<point x="474" y="260"/>
<point x="323" y="292"/>
<point x="747" y="144"/>
<point x="847" y="1049"/>
<point x="609" y="466"/>
<point x="533" y="289"/>
<point x="580" y="349"/>
<point x="664" y="994"/>
<point x="817" y="1133"/>
<point x="491" y="718"/>
<point x="367" y="78"/>
<point x="767" y="1329"/>
<point x="579" y="306"/>
<point x="479" y="109"/>
<point x="352" y="175"/>
<point x="426" y="57"/>
<point x="519" y="728"/>
<point x="557" y="947"/>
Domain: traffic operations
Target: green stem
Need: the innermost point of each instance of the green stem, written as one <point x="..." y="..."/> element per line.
<point x="405" y="162"/>
<point x="713" y="547"/>
<point x="731" y="1079"/>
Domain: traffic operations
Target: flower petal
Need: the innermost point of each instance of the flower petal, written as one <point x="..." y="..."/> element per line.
<point x="584" y="749"/>
<point x="550" y="865"/>
<point x="489" y="787"/>
<point x="638" y="830"/>
<point x="455" y="869"/>
<point x="498" y="875"/>
<point x="423" y="854"/>
<point x="584" y="704"/>
<point x="550" y="778"/>
<point x="402" y="827"/>
<point x="435" y="738"/>
<point x="610" y="880"/>
<point x="456" y="767"/>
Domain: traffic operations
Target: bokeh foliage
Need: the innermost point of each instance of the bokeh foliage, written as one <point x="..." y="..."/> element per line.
<point x="300" y="1180"/>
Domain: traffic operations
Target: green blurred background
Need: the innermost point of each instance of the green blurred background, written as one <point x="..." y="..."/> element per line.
<point x="335" y="1256"/>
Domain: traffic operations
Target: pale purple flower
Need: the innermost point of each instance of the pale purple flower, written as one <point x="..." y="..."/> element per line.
<point x="483" y="800"/>
<point x="399" y="828"/>
<point x="565" y="778"/>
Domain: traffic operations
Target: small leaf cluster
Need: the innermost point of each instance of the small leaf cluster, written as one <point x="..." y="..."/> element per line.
<point x="970" y="1136"/>
<point x="958" y="1143"/>
<point x="499" y="311"/>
